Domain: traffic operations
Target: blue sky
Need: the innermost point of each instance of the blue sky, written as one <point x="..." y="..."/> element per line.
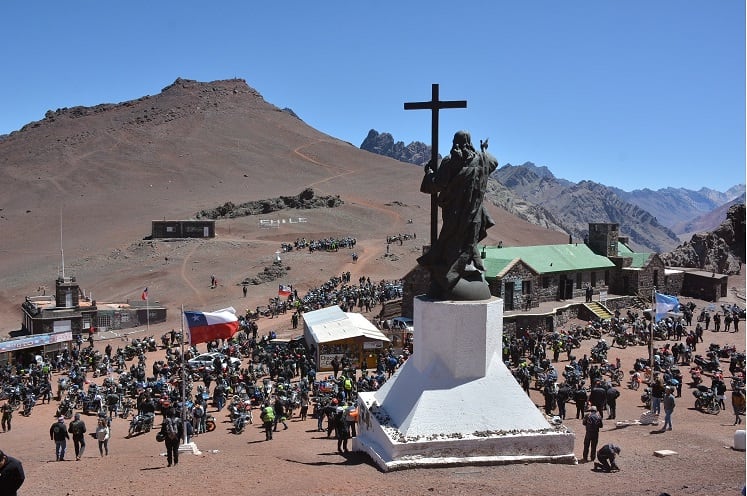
<point x="631" y="94"/>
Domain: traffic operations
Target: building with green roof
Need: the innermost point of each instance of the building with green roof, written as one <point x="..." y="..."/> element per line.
<point x="526" y="275"/>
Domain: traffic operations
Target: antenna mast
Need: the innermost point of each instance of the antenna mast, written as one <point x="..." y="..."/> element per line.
<point x="62" y="252"/>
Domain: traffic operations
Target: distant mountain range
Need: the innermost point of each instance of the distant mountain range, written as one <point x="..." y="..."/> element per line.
<point x="654" y="220"/>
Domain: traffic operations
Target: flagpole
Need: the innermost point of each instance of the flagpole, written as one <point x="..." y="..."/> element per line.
<point x="184" y="382"/>
<point x="651" y="334"/>
<point x="147" y="315"/>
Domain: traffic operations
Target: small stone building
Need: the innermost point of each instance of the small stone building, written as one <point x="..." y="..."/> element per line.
<point x="68" y="310"/>
<point x="708" y="286"/>
<point x="182" y="229"/>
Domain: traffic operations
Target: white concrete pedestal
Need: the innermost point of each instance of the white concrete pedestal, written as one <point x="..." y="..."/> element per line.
<point x="454" y="402"/>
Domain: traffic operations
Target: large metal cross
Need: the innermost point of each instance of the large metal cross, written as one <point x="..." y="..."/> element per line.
<point x="435" y="105"/>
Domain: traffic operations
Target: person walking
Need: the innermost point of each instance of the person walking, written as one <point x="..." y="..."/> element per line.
<point x="342" y="430"/>
<point x="737" y="402"/>
<point x="58" y="434"/>
<point x="593" y="422"/>
<point x="172" y="431"/>
<point x="102" y="435"/>
<point x="78" y="429"/>
<point x="7" y="410"/>
<point x="657" y="394"/>
<point x="606" y="457"/>
<point x="598" y="396"/>
<point x="268" y="420"/>
<point x="11" y="475"/>
<point x="580" y="397"/>
<point x="612" y="395"/>
<point x="669" y="403"/>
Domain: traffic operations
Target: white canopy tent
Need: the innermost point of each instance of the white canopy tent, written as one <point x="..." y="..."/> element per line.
<point x="337" y="333"/>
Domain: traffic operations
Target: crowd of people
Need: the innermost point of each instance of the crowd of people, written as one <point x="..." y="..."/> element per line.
<point x="324" y="244"/>
<point x="282" y="381"/>
<point x="591" y="383"/>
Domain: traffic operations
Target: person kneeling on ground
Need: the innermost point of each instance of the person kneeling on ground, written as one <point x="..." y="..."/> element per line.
<point x="606" y="457"/>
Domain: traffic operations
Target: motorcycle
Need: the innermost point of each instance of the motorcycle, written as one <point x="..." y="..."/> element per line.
<point x="635" y="380"/>
<point x="62" y="384"/>
<point x="599" y="352"/>
<point x="128" y="404"/>
<point x="707" y="365"/>
<point x="239" y="407"/>
<point x="239" y="423"/>
<point x="705" y="400"/>
<point x="210" y="423"/>
<point x="141" y="423"/>
<point x="646" y="397"/>
<point x="695" y="376"/>
<point x="28" y="404"/>
<point x="65" y="409"/>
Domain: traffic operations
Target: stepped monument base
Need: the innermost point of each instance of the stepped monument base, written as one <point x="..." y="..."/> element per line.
<point x="454" y="402"/>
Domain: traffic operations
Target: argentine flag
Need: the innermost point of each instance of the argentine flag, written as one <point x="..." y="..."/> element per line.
<point x="664" y="304"/>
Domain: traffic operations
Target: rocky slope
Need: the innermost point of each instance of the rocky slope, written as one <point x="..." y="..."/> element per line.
<point x="721" y="251"/>
<point x="417" y="153"/>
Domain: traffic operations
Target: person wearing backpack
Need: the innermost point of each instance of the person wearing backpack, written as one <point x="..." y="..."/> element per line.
<point x="172" y="431"/>
<point x="58" y="434"/>
<point x="78" y="429"/>
<point x="342" y="430"/>
<point x="593" y="422"/>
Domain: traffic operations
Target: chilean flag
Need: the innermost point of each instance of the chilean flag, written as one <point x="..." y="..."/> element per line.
<point x="284" y="290"/>
<point x="144" y="296"/>
<point x="207" y="326"/>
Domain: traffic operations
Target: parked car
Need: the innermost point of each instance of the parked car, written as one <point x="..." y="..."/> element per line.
<point x="205" y="360"/>
<point x="404" y="323"/>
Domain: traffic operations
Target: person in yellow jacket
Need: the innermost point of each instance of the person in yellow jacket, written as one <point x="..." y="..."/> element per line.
<point x="268" y="419"/>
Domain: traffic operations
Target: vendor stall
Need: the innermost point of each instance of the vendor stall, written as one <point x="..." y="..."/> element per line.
<point x="335" y="333"/>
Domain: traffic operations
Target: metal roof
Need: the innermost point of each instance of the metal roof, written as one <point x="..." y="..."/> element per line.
<point x="545" y="259"/>
<point x="332" y="324"/>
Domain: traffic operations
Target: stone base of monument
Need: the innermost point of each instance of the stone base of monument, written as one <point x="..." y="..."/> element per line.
<point x="454" y="402"/>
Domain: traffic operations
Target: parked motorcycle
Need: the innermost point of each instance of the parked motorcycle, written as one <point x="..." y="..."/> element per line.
<point x="210" y="423"/>
<point x="239" y="423"/>
<point x="635" y="380"/>
<point x="28" y="404"/>
<point x="705" y="400"/>
<point x="141" y="423"/>
<point x="695" y="376"/>
<point x="707" y="365"/>
<point x="65" y="409"/>
<point x="646" y="397"/>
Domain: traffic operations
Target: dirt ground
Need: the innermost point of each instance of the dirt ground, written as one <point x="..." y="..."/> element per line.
<point x="301" y="460"/>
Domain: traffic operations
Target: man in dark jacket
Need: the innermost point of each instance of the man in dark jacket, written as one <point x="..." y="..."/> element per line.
<point x="78" y="429"/>
<point x="612" y="395"/>
<point x="593" y="422"/>
<point x="58" y="434"/>
<point x="11" y="475"/>
<point x="564" y="394"/>
<point x="598" y="396"/>
<point x="580" y="397"/>
<point x="172" y="431"/>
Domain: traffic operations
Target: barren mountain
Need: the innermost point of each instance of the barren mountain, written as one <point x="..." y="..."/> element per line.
<point x="721" y="251"/>
<point x="707" y="221"/>
<point x="83" y="185"/>
<point x="675" y="207"/>
<point x="572" y="206"/>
